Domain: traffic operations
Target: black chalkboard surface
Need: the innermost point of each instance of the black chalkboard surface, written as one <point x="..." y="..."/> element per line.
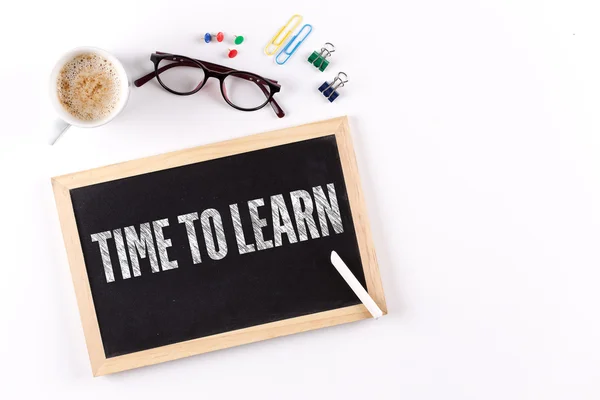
<point x="219" y="245"/>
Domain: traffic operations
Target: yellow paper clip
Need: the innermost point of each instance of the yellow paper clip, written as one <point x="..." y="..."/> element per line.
<point x="283" y="34"/>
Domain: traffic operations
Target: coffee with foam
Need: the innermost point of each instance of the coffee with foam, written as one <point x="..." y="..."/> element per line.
<point x="89" y="87"/>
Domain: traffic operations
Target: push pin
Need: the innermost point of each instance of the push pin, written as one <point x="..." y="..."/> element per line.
<point x="231" y="53"/>
<point x="208" y="37"/>
<point x="329" y="90"/>
<point x="238" y="39"/>
<point x="319" y="60"/>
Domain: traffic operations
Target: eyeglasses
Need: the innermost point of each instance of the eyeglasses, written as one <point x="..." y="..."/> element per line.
<point x="184" y="76"/>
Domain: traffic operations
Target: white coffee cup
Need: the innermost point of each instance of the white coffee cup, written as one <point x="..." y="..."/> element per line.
<point x="66" y="119"/>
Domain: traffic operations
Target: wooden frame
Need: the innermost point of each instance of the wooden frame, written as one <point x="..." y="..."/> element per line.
<point x="63" y="184"/>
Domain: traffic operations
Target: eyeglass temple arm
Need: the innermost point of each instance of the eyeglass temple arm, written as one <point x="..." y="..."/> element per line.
<point x="221" y="68"/>
<point x="146" y="78"/>
<point x="215" y="67"/>
<point x="278" y="110"/>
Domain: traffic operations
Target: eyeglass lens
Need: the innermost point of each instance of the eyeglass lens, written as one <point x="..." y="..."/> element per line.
<point x="181" y="77"/>
<point x="246" y="91"/>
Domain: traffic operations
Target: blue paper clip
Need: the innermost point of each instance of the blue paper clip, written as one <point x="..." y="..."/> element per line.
<point x="285" y="50"/>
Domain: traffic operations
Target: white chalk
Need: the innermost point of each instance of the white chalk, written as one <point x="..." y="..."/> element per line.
<point x="355" y="285"/>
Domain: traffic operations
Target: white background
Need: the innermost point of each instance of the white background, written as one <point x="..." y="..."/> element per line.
<point x="477" y="135"/>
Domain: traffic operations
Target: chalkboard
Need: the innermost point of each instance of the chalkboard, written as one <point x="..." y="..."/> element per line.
<point x="172" y="254"/>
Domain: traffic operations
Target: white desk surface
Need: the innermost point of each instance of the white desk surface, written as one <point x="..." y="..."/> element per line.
<point x="477" y="135"/>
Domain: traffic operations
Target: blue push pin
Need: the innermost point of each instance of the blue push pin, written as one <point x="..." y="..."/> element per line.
<point x="329" y="90"/>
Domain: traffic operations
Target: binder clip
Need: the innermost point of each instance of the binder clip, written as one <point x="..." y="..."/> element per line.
<point x="278" y="40"/>
<point x="329" y="90"/>
<point x="319" y="60"/>
<point x="287" y="53"/>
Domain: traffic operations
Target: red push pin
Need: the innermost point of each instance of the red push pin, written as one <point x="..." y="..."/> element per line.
<point x="231" y="53"/>
<point x="208" y="37"/>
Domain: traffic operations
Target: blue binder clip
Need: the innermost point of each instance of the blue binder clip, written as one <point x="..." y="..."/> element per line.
<point x="329" y="90"/>
<point x="286" y="50"/>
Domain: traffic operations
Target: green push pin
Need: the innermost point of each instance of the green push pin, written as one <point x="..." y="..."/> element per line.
<point x="238" y="39"/>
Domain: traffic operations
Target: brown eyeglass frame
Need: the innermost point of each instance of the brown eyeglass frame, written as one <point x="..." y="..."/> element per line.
<point x="219" y="72"/>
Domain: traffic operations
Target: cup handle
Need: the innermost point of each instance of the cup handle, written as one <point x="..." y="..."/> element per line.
<point x="58" y="129"/>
